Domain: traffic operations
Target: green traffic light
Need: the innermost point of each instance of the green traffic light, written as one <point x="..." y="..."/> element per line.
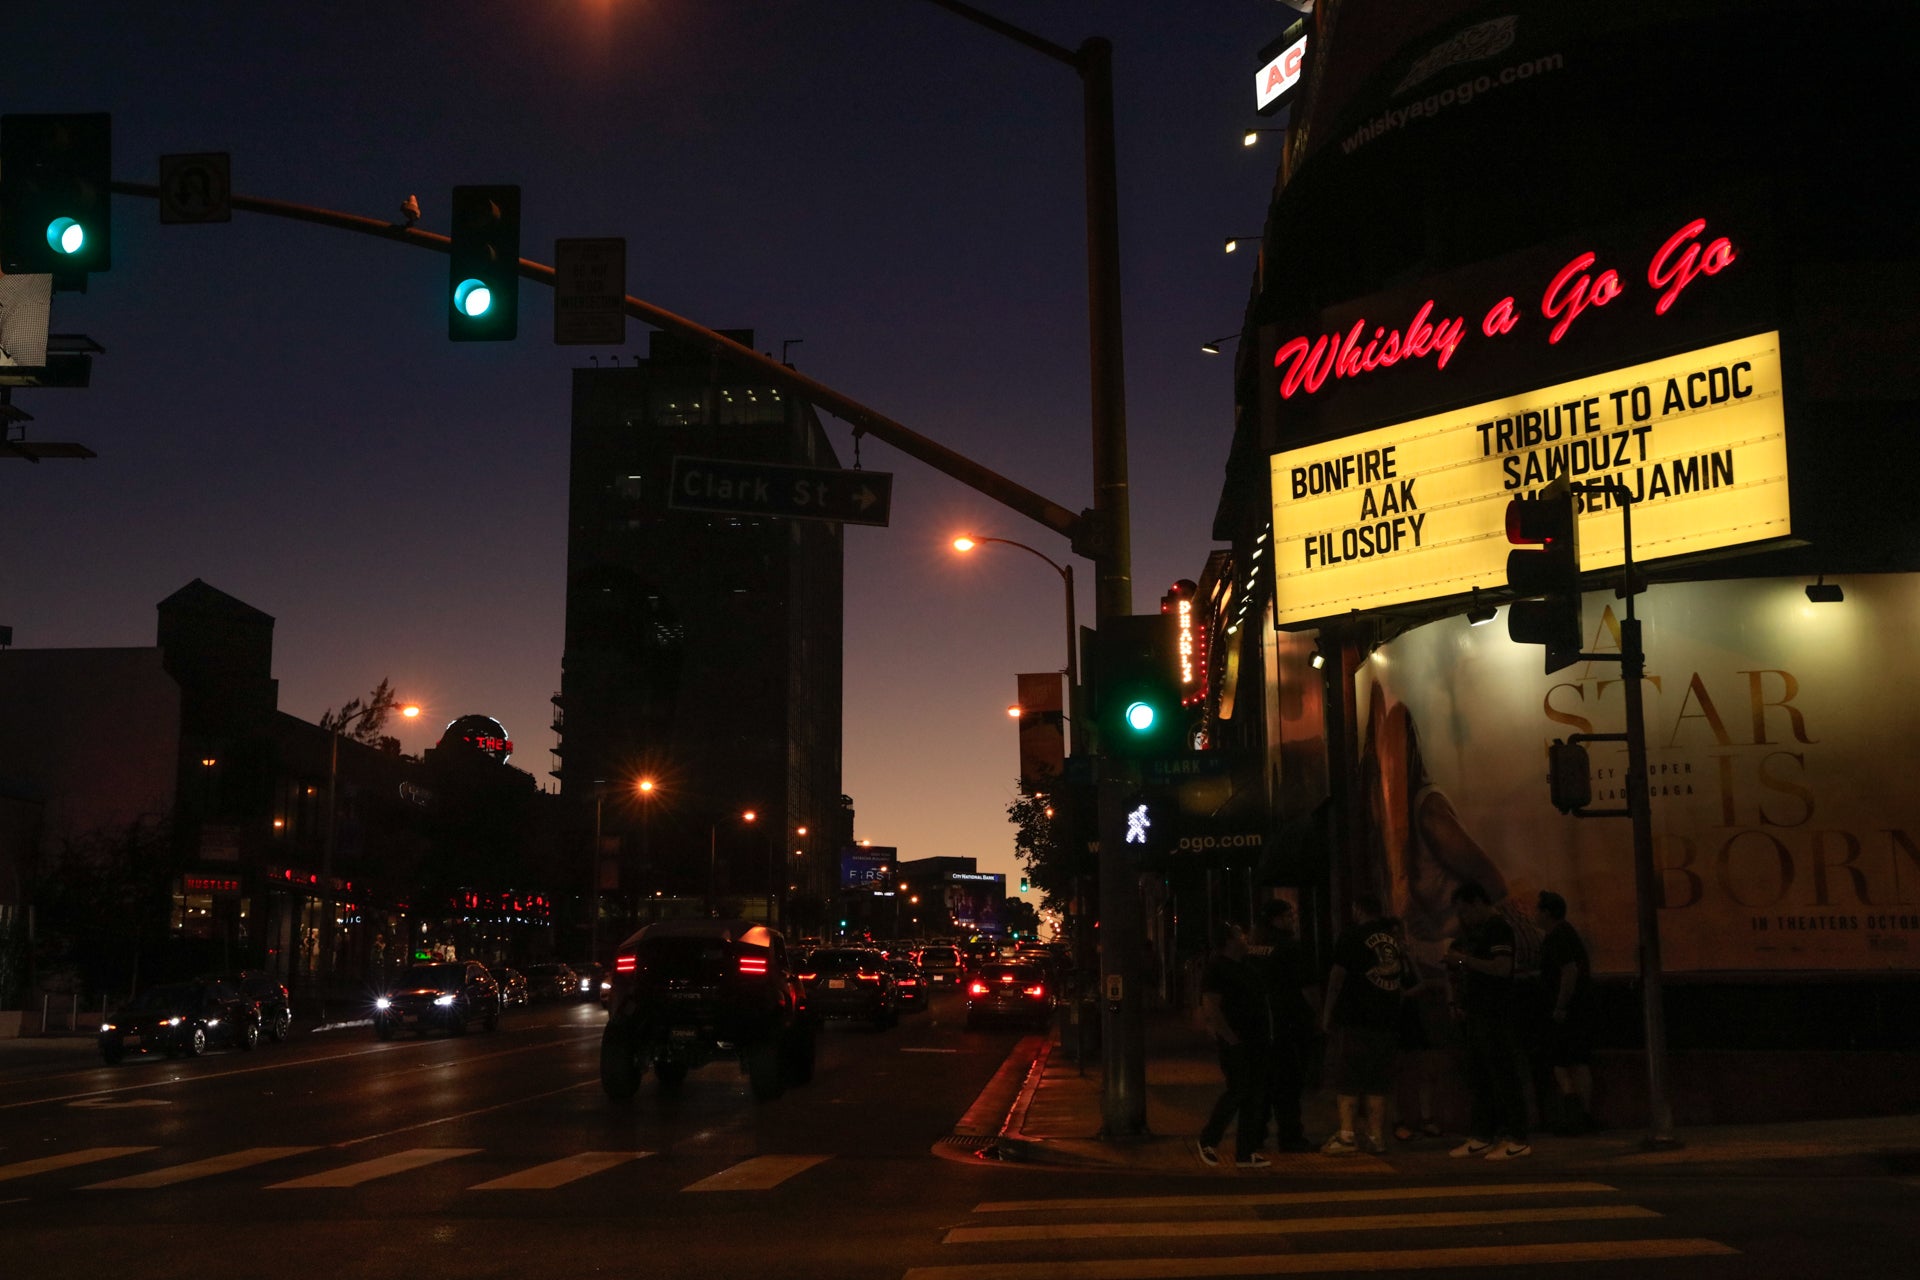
<point x="472" y="298"/>
<point x="1140" y="716"/>
<point x="64" y="235"/>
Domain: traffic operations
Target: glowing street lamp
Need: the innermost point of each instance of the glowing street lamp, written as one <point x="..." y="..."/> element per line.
<point x="408" y="711"/>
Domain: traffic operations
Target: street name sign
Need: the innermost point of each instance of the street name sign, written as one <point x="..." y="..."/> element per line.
<point x="738" y="487"/>
<point x="589" y="292"/>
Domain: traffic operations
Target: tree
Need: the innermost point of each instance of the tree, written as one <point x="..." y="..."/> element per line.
<point x="1044" y="837"/>
<point x="1020" y="918"/>
<point x="371" y="715"/>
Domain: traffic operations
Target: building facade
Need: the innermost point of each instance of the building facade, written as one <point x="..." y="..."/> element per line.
<point x="703" y="654"/>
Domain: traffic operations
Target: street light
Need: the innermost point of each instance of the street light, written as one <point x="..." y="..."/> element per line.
<point x="713" y="858"/>
<point x="967" y="542"/>
<point x="334" y="734"/>
<point x="642" y="788"/>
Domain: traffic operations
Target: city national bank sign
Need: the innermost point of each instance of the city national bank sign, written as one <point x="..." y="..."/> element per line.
<point x="1415" y="510"/>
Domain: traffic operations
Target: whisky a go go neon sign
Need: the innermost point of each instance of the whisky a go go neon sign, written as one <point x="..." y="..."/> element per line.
<point x="1305" y="363"/>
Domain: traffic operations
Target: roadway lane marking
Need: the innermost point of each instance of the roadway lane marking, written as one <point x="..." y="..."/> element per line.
<point x="758" y="1174"/>
<point x="464" y="1115"/>
<point x="46" y="1164"/>
<point x="1290" y="1226"/>
<point x="198" y="1169"/>
<point x="918" y="1050"/>
<point x="1274" y="1264"/>
<point x="367" y="1170"/>
<point x="1362" y="1196"/>
<point x="557" y="1173"/>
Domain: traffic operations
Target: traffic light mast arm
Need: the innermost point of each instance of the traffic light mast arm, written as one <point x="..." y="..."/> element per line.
<point x="1078" y="528"/>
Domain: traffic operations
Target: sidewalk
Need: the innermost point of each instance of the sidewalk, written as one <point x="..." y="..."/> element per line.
<point x="1056" y="1118"/>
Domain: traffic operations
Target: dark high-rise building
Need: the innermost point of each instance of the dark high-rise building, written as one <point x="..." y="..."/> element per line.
<point x="703" y="651"/>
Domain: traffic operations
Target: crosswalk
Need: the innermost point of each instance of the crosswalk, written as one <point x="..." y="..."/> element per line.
<point x="1521" y="1225"/>
<point x="758" y="1173"/>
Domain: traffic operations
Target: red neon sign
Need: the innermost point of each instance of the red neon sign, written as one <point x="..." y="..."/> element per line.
<point x="1308" y="362"/>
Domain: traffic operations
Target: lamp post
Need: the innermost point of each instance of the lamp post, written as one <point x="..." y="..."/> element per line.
<point x="643" y="788"/>
<point x="713" y="859"/>
<point x="327" y="909"/>
<point x="967" y="542"/>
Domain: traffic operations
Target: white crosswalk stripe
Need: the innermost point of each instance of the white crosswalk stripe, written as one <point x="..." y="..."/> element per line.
<point x="382" y="1167"/>
<point x="46" y="1164"/>
<point x="175" y="1174"/>
<point x="762" y="1173"/>
<point x="1418" y="1226"/>
<point x="557" y="1173"/>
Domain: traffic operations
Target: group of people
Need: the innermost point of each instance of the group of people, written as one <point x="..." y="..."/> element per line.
<point x="1375" y="1020"/>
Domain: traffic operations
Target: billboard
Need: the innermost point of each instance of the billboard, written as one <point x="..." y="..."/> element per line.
<point x="1780" y="750"/>
<point x="975" y="900"/>
<point x="1416" y="511"/>
<point x="865" y="866"/>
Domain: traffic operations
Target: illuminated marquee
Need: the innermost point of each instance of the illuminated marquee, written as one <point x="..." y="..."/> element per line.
<point x="1279" y="77"/>
<point x="1416" y="511"/>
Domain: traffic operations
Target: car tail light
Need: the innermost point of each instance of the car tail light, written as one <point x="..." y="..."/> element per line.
<point x="976" y="988"/>
<point x="807" y="977"/>
<point x="1036" y="990"/>
<point x="864" y="976"/>
<point x="626" y="964"/>
<point x="753" y="964"/>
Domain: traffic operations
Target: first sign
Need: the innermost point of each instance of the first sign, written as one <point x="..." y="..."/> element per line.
<point x="772" y="489"/>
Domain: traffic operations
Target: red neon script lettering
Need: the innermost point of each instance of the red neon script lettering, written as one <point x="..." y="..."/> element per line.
<point x="1675" y="276"/>
<point x="1308" y="361"/>
<point x="1585" y="291"/>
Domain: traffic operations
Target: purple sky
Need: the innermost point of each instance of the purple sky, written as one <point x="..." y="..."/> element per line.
<point x="280" y="412"/>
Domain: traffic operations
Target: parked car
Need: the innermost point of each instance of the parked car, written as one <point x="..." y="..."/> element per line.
<point x="513" y="987"/>
<point x="181" y="1019"/>
<point x="852" y="982"/>
<point x="942" y="966"/>
<point x="689" y="992"/>
<point x="909" y="982"/>
<point x="547" y="982"/>
<point x="450" y="995"/>
<point x="266" y="991"/>
<point x="1008" y="992"/>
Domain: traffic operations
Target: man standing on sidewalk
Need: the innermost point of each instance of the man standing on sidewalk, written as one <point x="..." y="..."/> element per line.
<point x="1566" y="1037"/>
<point x="1275" y="956"/>
<point x="1481" y="968"/>
<point x="1234" y="1008"/>
<point x="1362" y="1021"/>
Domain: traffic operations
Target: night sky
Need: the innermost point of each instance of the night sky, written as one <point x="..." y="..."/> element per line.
<point x="279" y="411"/>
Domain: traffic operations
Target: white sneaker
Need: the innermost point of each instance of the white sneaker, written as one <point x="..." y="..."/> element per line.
<point x="1471" y="1147"/>
<point x="1208" y="1156"/>
<point x="1511" y="1151"/>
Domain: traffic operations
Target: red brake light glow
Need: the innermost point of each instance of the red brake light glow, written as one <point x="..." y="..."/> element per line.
<point x="1036" y="990"/>
<point x="976" y="988"/>
<point x="625" y="964"/>
<point x="753" y="964"/>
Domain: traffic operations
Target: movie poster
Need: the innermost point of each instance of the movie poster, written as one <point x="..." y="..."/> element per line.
<point x="1781" y="744"/>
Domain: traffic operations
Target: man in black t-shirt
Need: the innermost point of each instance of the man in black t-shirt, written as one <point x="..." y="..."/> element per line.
<point x="1234" y="1008"/>
<point x="1362" y="1021"/>
<point x="1566" y="1036"/>
<point x="1480" y="965"/>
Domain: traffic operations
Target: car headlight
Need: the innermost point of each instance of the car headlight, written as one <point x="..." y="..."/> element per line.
<point x="444" y="1001"/>
<point x="109" y="1026"/>
<point x="171" y="1022"/>
<point x="383" y="1003"/>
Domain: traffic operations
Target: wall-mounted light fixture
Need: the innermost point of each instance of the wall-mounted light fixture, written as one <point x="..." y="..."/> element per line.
<point x="1478" y="614"/>
<point x="1212" y="348"/>
<point x="1824" y="592"/>
<point x="1318" y="660"/>
<point x="1232" y="243"/>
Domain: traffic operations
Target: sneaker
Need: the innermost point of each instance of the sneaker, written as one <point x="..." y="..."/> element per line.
<point x="1471" y="1147"/>
<point x="1340" y="1144"/>
<point x="1255" y="1161"/>
<point x="1373" y="1146"/>
<point x="1208" y="1156"/>
<point x="1512" y="1151"/>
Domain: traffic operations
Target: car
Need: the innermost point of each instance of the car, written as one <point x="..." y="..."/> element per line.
<point x="553" y="981"/>
<point x="513" y="987"/>
<point x="593" y="982"/>
<point x="909" y="982"/>
<point x="942" y="966"/>
<point x="689" y="992"/>
<point x="266" y="991"/>
<point x="447" y="994"/>
<point x="181" y="1019"/>
<point x="1008" y="991"/>
<point x="852" y="982"/>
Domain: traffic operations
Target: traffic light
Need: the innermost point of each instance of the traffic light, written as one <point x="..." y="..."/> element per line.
<point x="483" y="277"/>
<point x="55" y="178"/>
<point x="1569" y="775"/>
<point x="1135" y="683"/>
<point x="1552" y="572"/>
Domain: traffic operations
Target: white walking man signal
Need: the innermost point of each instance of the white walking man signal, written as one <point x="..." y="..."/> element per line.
<point x="1137" y="824"/>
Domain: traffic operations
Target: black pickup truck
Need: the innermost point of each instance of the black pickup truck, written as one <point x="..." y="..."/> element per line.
<point x="689" y="992"/>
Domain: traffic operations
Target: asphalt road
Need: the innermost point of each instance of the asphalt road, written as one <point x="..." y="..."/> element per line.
<point x="496" y="1154"/>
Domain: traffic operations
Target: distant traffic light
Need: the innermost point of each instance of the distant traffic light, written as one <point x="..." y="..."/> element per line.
<point x="1552" y="572"/>
<point x="1135" y="683"/>
<point x="55" y="177"/>
<point x="483" y="277"/>
<point x="1569" y="775"/>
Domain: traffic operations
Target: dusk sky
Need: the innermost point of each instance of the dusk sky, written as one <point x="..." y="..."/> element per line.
<point x="280" y="413"/>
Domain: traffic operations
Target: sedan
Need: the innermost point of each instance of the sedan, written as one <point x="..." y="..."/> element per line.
<point x="513" y="987"/>
<point x="851" y="982"/>
<point x="181" y="1019"/>
<point x="265" y="990"/>
<point x="909" y="981"/>
<point x="1008" y="993"/>
<point x="449" y="995"/>
<point x="552" y="982"/>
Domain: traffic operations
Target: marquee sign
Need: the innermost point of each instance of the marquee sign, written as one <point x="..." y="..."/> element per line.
<point x="1416" y="511"/>
<point x="1280" y="77"/>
